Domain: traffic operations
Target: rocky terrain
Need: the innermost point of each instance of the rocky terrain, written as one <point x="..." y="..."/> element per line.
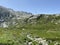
<point x="23" y="28"/>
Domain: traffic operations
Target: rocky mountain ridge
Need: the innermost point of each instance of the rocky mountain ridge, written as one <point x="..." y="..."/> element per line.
<point x="10" y="17"/>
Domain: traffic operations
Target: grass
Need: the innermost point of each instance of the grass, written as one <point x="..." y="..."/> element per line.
<point x="16" y="35"/>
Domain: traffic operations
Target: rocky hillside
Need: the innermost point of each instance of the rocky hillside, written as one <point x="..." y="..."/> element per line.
<point x="22" y="28"/>
<point x="9" y="17"/>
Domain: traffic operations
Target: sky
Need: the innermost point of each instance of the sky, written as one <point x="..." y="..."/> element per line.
<point x="33" y="6"/>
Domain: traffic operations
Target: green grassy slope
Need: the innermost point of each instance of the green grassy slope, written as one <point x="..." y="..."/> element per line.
<point x="17" y="35"/>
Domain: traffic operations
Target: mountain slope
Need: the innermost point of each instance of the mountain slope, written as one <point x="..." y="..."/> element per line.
<point x="8" y="15"/>
<point x="22" y="28"/>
